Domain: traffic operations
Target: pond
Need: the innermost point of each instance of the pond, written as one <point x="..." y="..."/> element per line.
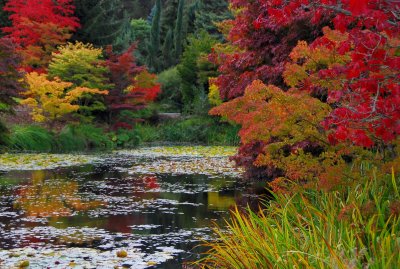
<point x="152" y="205"/>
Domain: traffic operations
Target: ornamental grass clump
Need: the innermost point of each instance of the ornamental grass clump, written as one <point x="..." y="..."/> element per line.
<point x="356" y="227"/>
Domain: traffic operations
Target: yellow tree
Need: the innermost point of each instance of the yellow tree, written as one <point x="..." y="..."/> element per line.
<point x="51" y="100"/>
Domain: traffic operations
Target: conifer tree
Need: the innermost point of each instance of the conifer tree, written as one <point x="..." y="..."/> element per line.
<point x="102" y="21"/>
<point x="168" y="50"/>
<point x="154" y="44"/>
<point x="178" y="30"/>
<point x="208" y="13"/>
<point x="168" y="18"/>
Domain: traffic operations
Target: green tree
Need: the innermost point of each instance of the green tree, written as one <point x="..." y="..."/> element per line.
<point x="193" y="85"/>
<point x="82" y="65"/>
<point x="208" y="13"/>
<point x="140" y="34"/>
<point x="178" y="36"/>
<point x="168" y="17"/>
<point x="103" y="22"/>
<point x="168" y="50"/>
<point x="154" y="44"/>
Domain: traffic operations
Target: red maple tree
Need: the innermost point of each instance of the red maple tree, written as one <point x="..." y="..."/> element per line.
<point x="364" y="90"/>
<point x="38" y="27"/>
<point x="133" y="87"/>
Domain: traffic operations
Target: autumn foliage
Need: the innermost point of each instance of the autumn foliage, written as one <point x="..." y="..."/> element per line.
<point x="38" y="27"/>
<point x="338" y="91"/>
<point x="133" y="86"/>
<point x="51" y="100"/>
<point x="257" y="50"/>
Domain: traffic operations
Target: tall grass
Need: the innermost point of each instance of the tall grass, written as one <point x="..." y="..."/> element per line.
<point x="31" y="138"/>
<point x="197" y="130"/>
<point x="357" y="227"/>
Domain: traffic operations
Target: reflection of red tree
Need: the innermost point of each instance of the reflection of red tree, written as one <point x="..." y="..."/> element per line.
<point x="142" y="186"/>
<point x="122" y="224"/>
<point x="151" y="182"/>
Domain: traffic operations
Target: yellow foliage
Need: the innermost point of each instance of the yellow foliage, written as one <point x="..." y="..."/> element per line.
<point x="213" y="95"/>
<point x="52" y="99"/>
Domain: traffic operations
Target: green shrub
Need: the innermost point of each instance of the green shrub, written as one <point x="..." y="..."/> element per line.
<point x="4" y="136"/>
<point x="126" y="138"/>
<point x="148" y="133"/>
<point x="31" y="138"/>
<point x="83" y="137"/>
<point x="357" y="227"/>
<point x="170" y="97"/>
<point x="198" y="130"/>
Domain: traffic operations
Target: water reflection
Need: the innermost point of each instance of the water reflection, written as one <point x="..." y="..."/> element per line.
<point x="103" y="207"/>
<point x="51" y="197"/>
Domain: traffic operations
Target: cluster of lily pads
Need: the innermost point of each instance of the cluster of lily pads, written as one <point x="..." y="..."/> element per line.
<point x="20" y="161"/>
<point x="202" y="166"/>
<point x="181" y="151"/>
<point x="83" y="258"/>
<point x="184" y="160"/>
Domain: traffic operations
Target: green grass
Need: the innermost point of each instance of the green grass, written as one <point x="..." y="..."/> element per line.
<point x="31" y="138"/>
<point x="357" y="227"/>
<point x="197" y="130"/>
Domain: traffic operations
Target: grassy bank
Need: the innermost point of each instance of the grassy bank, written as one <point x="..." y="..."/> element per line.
<point x="35" y="138"/>
<point x="355" y="227"/>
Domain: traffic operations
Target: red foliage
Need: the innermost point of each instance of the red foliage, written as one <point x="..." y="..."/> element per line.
<point x="38" y="26"/>
<point x="365" y="90"/>
<point x="133" y="87"/>
<point x="360" y="83"/>
<point x="262" y="48"/>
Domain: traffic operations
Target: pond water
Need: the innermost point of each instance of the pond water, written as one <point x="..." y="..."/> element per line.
<point x="65" y="211"/>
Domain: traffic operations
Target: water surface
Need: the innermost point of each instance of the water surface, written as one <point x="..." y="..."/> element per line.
<point x="155" y="206"/>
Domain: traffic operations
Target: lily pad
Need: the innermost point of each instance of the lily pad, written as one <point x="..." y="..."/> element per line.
<point x="9" y="162"/>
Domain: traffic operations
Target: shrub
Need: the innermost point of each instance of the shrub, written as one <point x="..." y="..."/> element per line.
<point x="4" y="136"/>
<point x="82" y="137"/>
<point x="356" y="227"/>
<point x="126" y="138"/>
<point x="170" y="95"/>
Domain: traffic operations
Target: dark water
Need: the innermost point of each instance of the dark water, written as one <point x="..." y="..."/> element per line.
<point x="101" y="207"/>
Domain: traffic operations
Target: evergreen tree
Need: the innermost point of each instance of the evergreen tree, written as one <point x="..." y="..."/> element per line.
<point x="168" y="50"/>
<point x="140" y="34"/>
<point x="192" y="68"/>
<point x="139" y="8"/>
<point x="190" y="18"/>
<point x="154" y="44"/>
<point x="168" y="18"/>
<point x="103" y="22"/>
<point x="179" y="30"/>
<point x="208" y="13"/>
